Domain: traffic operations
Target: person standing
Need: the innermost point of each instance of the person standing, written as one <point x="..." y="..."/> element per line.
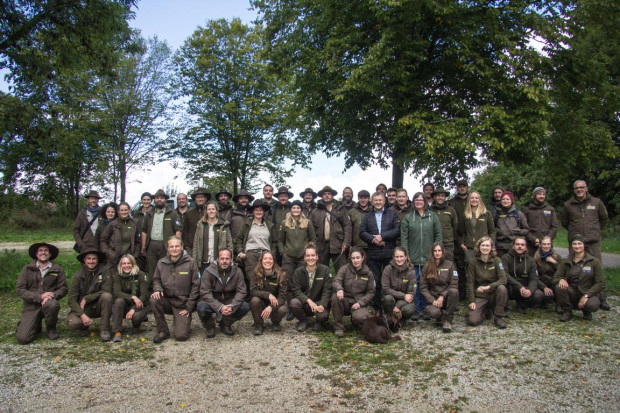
<point x="419" y="230"/>
<point x="240" y="213"/>
<point x="279" y="210"/>
<point x="182" y="207"/>
<point x="138" y="218"/>
<point x="391" y="197"/>
<point x="159" y="224"/>
<point x="477" y="223"/>
<point x="119" y="236"/>
<point x="86" y="223"/>
<point x="90" y="295"/>
<point x="510" y="223"/>
<point x="268" y="199"/>
<point x="541" y="218"/>
<point x="176" y="289"/>
<point x="459" y="202"/>
<point x="379" y="230"/>
<point x="347" y="198"/>
<point x="110" y="213"/>
<point x="332" y="225"/>
<point x="308" y="196"/>
<point x="222" y="292"/>
<point x="496" y="198"/>
<point x="449" y="221"/>
<point x="403" y="205"/>
<point x="212" y="235"/>
<point x="428" y="190"/>
<point x="200" y="196"/>
<point x="224" y="208"/>
<point x="586" y="215"/>
<point x="357" y="214"/>
<point x="296" y="231"/>
<point x="41" y="284"/>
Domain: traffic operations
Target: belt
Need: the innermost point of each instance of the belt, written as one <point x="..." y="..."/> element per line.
<point x="258" y="251"/>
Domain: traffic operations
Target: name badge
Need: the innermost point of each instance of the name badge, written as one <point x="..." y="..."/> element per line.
<point x="55" y="274"/>
<point x="587" y="270"/>
<point x="547" y="213"/>
<point x="365" y="279"/>
<point x="481" y="219"/>
<point x="183" y="272"/>
<point x="447" y="212"/>
<point x="492" y="268"/>
<point x="405" y="281"/>
<point x="166" y="219"/>
<point x="444" y="269"/>
<point x="591" y="207"/>
<point x="502" y="216"/>
<point x="318" y="279"/>
<point x="276" y="284"/>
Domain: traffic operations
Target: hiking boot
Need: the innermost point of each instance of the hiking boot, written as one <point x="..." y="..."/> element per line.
<point x="605" y="306"/>
<point x="416" y="316"/>
<point x="317" y="326"/>
<point x="258" y="330"/>
<point x="83" y="332"/>
<point x="226" y="328"/>
<point x="161" y="336"/>
<point x="500" y="323"/>
<point x="587" y="316"/>
<point x="340" y="333"/>
<point x="425" y="316"/>
<point x="210" y="332"/>
<point x="447" y="327"/>
<point x="438" y="322"/>
<point x="302" y="326"/>
<point x="276" y="327"/>
<point x="117" y="337"/>
<point x="51" y="333"/>
<point x="290" y="316"/>
<point x="566" y="316"/>
<point x="488" y="314"/>
<point x="105" y="335"/>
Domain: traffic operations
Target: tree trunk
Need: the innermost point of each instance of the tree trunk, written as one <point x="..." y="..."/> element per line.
<point x="397" y="170"/>
<point x="122" y="172"/>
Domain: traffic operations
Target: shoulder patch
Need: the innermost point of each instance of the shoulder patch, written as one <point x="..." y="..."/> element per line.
<point x="455" y="273"/>
<point x="501" y="266"/>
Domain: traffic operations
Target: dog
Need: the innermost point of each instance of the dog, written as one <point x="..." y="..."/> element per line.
<point x="378" y="329"/>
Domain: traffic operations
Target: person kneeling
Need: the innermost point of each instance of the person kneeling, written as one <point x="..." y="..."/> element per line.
<point x="354" y="288"/>
<point x="176" y="288"/>
<point x="268" y="288"/>
<point x="398" y="286"/>
<point x="224" y="280"/>
<point x="439" y="284"/>
<point x="131" y="294"/>
<point x="579" y="281"/>
<point x="521" y="276"/>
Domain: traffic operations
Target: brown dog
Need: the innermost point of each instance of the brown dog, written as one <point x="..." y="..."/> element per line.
<point x="378" y="329"/>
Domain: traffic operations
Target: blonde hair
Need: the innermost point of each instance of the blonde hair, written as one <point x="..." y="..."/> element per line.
<point x="481" y="210"/>
<point x="134" y="265"/>
<point x="292" y="223"/>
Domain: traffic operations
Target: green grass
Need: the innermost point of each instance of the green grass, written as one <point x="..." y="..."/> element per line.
<point x="12" y="262"/>
<point x="609" y="243"/>
<point x="612" y="279"/>
<point x="12" y="234"/>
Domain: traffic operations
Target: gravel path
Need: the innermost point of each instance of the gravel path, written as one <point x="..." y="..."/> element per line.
<point x="537" y="364"/>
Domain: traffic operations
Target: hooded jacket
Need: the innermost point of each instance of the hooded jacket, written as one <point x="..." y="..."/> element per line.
<point x="221" y="238"/>
<point x="520" y="270"/>
<point x="216" y="293"/>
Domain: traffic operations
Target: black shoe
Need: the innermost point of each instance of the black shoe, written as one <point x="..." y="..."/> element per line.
<point x="258" y="330"/>
<point x="317" y="326"/>
<point x="227" y="329"/>
<point x="276" y="327"/>
<point x="425" y="316"/>
<point x="587" y="316"/>
<point x="210" y="332"/>
<point x="160" y="337"/>
<point x="500" y="323"/>
<point x="416" y="316"/>
<point x="605" y="306"/>
<point x="290" y="316"/>
<point x="566" y="316"/>
<point x="302" y="326"/>
<point x="51" y="333"/>
<point x="105" y="335"/>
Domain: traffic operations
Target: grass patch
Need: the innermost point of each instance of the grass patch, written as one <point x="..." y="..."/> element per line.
<point x="16" y="234"/>
<point x="12" y="262"/>
<point x="69" y="349"/>
<point x="612" y="280"/>
<point x="610" y="241"/>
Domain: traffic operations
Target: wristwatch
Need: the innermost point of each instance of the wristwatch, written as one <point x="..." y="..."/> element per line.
<point x="586" y="296"/>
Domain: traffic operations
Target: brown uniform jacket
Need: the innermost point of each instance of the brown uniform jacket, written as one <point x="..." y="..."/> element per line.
<point x="291" y="241"/>
<point x="398" y="281"/>
<point x="447" y="278"/>
<point x="542" y="220"/>
<point x="172" y="224"/>
<point x="507" y="227"/>
<point x="270" y="286"/>
<point x="111" y="240"/>
<point x="321" y="290"/>
<point x="591" y="280"/>
<point x="546" y="270"/>
<point x="216" y="293"/>
<point x="357" y="214"/>
<point x="520" y="270"/>
<point x="79" y="226"/>
<point x="449" y="222"/>
<point x="30" y="285"/>
<point x="125" y="283"/>
<point x="190" y="223"/>
<point x="587" y="218"/>
<point x="480" y="273"/>
<point x="179" y="281"/>
<point x="469" y="233"/>
<point x="238" y="216"/>
<point x="340" y="222"/>
<point x="221" y="239"/>
<point x="224" y="211"/>
<point x="87" y="285"/>
<point x="358" y="285"/>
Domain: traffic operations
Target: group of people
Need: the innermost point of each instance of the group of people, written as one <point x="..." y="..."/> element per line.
<point x="405" y="258"/>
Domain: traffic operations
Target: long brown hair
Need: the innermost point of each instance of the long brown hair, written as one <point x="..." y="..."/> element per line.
<point x="429" y="272"/>
<point x="259" y="272"/>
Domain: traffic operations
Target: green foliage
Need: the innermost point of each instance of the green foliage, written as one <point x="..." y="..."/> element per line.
<point x="425" y="85"/>
<point x="12" y="263"/>
<point x="233" y="126"/>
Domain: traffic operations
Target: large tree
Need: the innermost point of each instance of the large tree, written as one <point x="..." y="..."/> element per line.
<point x="233" y="126"/>
<point x="421" y="85"/>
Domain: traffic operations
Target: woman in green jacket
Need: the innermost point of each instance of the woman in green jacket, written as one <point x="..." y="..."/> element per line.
<point x="131" y="296"/>
<point x="212" y="235"/>
<point x="478" y="223"/>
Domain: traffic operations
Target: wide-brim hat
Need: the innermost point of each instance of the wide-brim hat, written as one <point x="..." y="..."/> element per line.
<point x="462" y="182"/>
<point x="327" y="189"/>
<point x="243" y="192"/>
<point x="100" y="255"/>
<point x="284" y="190"/>
<point x="308" y="191"/>
<point x="32" y="251"/>
<point x="201" y="191"/>
<point x="440" y="190"/>
<point x="260" y="204"/>
<point x="92" y="193"/>
<point x="160" y="192"/>
<point x="223" y="191"/>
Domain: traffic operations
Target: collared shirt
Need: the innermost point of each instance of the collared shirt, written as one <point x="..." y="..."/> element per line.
<point x="157" y="230"/>
<point x="95" y="224"/>
<point x="258" y="237"/>
<point x="378" y="215"/>
<point x="311" y="279"/>
<point x="44" y="270"/>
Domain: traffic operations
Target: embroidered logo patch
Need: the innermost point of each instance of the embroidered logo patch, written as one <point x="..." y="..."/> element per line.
<point x="591" y="207"/>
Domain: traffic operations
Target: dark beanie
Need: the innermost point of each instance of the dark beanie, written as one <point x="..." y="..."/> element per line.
<point x="298" y="203"/>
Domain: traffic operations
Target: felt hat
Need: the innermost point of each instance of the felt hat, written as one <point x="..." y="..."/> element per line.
<point x="160" y="192"/>
<point x="243" y="192"/>
<point x="32" y="251"/>
<point x="440" y="190"/>
<point x="284" y="190"/>
<point x="223" y="191"/>
<point x="92" y="193"/>
<point x="100" y="255"/>
<point x="201" y="191"/>
<point x="328" y="189"/>
<point x="308" y="191"/>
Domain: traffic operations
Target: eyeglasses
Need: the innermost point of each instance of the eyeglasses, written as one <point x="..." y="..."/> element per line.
<point x="580" y="187"/>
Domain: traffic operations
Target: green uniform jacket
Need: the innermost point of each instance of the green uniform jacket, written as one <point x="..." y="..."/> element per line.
<point x="480" y="273"/>
<point x="520" y="270"/>
<point x="216" y="293"/>
<point x="542" y="220"/>
<point x="270" y="286"/>
<point x="88" y="285"/>
<point x="112" y="240"/>
<point x="242" y="238"/>
<point x="449" y="222"/>
<point x="398" y="281"/>
<point x="469" y="233"/>
<point x="172" y="224"/>
<point x="238" y="216"/>
<point x="546" y="270"/>
<point x="221" y="239"/>
<point x="123" y="287"/>
<point x="358" y="285"/>
<point x="321" y="291"/>
<point x="447" y="278"/>
<point x="291" y="241"/>
<point x="30" y="285"/>
<point x="357" y="214"/>
<point x="190" y="224"/>
<point x="459" y="204"/>
<point x="79" y="226"/>
<point x="417" y="234"/>
<point x="591" y="279"/>
<point x="340" y="222"/>
<point x="179" y="281"/>
<point x="587" y="218"/>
